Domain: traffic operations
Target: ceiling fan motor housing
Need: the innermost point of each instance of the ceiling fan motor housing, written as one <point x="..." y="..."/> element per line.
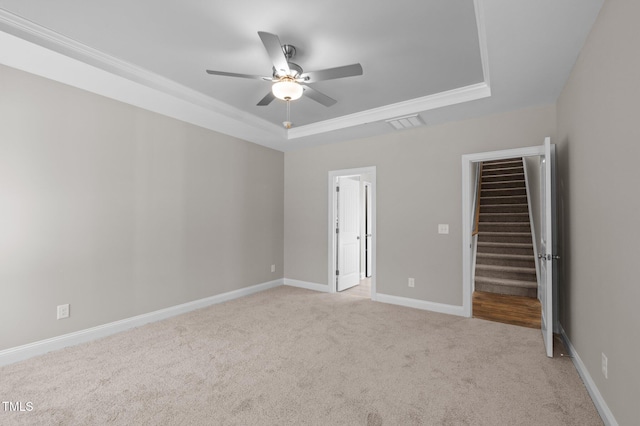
<point x="289" y="51"/>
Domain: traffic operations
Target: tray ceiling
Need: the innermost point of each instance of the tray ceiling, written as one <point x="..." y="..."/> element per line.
<point x="418" y="56"/>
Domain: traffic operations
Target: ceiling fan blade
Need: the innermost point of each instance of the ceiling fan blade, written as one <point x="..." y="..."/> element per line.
<point x="234" y="74"/>
<point x="319" y="96"/>
<point x="274" y="49"/>
<point x="267" y="99"/>
<point x="332" y="73"/>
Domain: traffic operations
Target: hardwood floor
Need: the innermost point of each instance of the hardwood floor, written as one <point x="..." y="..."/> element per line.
<point x="516" y="310"/>
<point x="361" y="290"/>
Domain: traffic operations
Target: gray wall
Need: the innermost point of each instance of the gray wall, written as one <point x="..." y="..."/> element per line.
<point x="599" y="177"/>
<point x="119" y="211"/>
<point x="418" y="186"/>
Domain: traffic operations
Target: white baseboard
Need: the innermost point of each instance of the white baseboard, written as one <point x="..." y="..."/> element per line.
<point x="309" y="286"/>
<point x="421" y="304"/>
<point x="19" y="353"/>
<point x="598" y="400"/>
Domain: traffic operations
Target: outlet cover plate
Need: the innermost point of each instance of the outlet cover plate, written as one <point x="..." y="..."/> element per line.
<point x="63" y="311"/>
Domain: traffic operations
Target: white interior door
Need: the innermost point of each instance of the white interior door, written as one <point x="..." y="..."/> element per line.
<point x="547" y="249"/>
<point x="348" y="233"/>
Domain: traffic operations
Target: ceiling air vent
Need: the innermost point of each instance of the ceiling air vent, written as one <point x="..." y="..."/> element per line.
<point x="406" y="122"/>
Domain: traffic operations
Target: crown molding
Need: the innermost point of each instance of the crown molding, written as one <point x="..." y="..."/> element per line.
<point x="52" y="40"/>
<point x="412" y="106"/>
<point x="482" y="40"/>
<point x="41" y="51"/>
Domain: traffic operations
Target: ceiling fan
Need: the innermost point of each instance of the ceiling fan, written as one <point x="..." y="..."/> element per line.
<point x="289" y="80"/>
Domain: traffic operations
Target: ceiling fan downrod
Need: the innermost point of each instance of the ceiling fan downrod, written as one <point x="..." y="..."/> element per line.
<point x="289" y="51"/>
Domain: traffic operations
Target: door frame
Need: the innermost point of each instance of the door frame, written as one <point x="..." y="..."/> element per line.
<point x="367" y="221"/>
<point x="331" y="221"/>
<point x="467" y="210"/>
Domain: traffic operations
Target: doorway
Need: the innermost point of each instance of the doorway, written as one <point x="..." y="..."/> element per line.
<point x="548" y="289"/>
<point x="351" y="231"/>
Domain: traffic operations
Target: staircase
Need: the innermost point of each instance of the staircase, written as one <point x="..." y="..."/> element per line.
<point x="504" y="259"/>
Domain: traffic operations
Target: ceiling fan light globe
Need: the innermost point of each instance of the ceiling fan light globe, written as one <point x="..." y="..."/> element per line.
<point x="287" y="90"/>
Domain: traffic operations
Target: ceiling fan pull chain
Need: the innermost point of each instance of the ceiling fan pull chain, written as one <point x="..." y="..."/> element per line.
<point x="287" y="124"/>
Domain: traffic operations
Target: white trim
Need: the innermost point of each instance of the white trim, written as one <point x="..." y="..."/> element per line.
<point x="474" y="242"/>
<point x="534" y="238"/>
<point x="482" y="41"/>
<point x="422" y="304"/>
<point x="307" y="285"/>
<point x="467" y="159"/>
<point x="331" y="220"/>
<point x="19" y="353"/>
<point x="474" y="261"/>
<point x="412" y="106"/>
<point x="37" y="50"/>
<point x="596" y="396"/>
<point x="505" y="153"/>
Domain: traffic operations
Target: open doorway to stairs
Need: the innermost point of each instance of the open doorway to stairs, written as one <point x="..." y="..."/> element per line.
<point x="546" y="241"/>
<point x="351" y="232"/>
<point x="505" y="278"/>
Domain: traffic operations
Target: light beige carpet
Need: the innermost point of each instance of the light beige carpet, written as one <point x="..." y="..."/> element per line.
<point x="293" y="356"/>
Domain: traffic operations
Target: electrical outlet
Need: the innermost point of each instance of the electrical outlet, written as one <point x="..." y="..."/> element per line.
<point x="605" y="366"/>
<point x="443" y="228"/>
<point x="412" y="282"/>
<point x="273" y="268"/>
<point x="63" y="311"/>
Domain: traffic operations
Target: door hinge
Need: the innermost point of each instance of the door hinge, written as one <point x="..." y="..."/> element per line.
<point x="337" y="189"/>
<point x="337" y="272"/>
<point x="337" y="230"/>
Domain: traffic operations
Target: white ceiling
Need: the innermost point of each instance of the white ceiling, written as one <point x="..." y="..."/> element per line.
<point x="439" y="58"/>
